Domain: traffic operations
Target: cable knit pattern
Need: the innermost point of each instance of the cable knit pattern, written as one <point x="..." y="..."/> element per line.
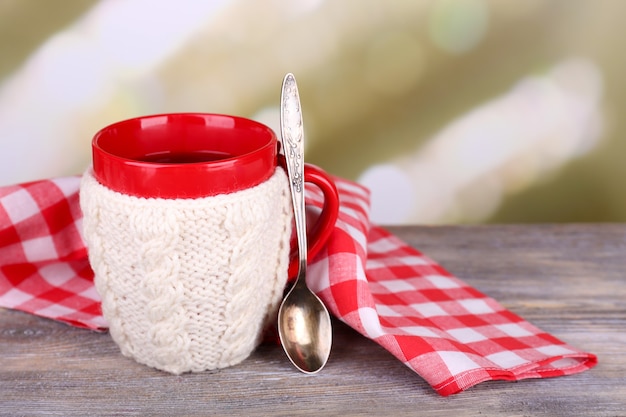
<point x="188" y="284"/>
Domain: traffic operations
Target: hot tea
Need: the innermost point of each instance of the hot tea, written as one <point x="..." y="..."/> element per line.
<point x="169" y="157"/>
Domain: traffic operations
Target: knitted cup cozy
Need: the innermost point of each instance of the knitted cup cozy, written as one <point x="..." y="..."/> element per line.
<point x="188" y="284"/>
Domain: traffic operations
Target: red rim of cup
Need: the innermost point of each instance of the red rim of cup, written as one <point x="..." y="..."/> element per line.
<point x="118" y="150"/>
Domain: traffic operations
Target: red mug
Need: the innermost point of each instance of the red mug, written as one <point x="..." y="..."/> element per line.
<point x="186" y="219"/>
<point x="194" y="155"/>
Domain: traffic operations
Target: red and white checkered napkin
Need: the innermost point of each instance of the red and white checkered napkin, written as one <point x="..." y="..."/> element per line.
<point x="447" y="332"/>
<point x="44" y="268"/>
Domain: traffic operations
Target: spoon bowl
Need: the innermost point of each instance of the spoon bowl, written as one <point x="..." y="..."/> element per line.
<point x="306" y="332"/>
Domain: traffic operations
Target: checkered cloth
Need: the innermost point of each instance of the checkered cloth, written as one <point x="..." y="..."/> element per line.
<point x="446" y="331"/>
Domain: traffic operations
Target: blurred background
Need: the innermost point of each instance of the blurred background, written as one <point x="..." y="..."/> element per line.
<point x="450" y="111"/>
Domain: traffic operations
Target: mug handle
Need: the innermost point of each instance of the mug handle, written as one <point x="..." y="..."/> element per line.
<point x="318" y="234"/>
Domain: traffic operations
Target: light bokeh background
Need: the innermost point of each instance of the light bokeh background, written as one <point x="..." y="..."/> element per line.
<point x="450" y="111"/>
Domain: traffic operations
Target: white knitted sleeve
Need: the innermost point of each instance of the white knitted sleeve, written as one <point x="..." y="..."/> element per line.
<point x="188" y="284"/>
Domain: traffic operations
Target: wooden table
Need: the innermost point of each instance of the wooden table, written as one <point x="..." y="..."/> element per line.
<point x="569" y="280"/>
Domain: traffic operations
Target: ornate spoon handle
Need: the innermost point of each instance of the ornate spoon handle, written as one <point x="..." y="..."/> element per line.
<point x="293" y="147"/>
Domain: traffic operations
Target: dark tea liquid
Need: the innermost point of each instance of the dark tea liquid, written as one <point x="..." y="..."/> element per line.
<point x="168" y="157"/>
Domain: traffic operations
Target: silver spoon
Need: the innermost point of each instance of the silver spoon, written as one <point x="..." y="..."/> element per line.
<point x="303" y="321"/>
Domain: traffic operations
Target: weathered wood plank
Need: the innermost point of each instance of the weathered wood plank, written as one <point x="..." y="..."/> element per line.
<point x="567" y="279"/>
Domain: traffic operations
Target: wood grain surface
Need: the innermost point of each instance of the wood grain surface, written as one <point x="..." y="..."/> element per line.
<point x="567" y="279"/>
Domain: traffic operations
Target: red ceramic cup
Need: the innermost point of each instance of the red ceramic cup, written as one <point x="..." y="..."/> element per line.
<point x="194" y="155"/>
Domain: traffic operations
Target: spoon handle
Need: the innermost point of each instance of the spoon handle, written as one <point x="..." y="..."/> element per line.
<point x="293" y="147"/>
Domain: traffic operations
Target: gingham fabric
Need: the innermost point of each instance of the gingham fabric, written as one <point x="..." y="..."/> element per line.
<point x="44" y="268"/>
<point x="446" y="331"/>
